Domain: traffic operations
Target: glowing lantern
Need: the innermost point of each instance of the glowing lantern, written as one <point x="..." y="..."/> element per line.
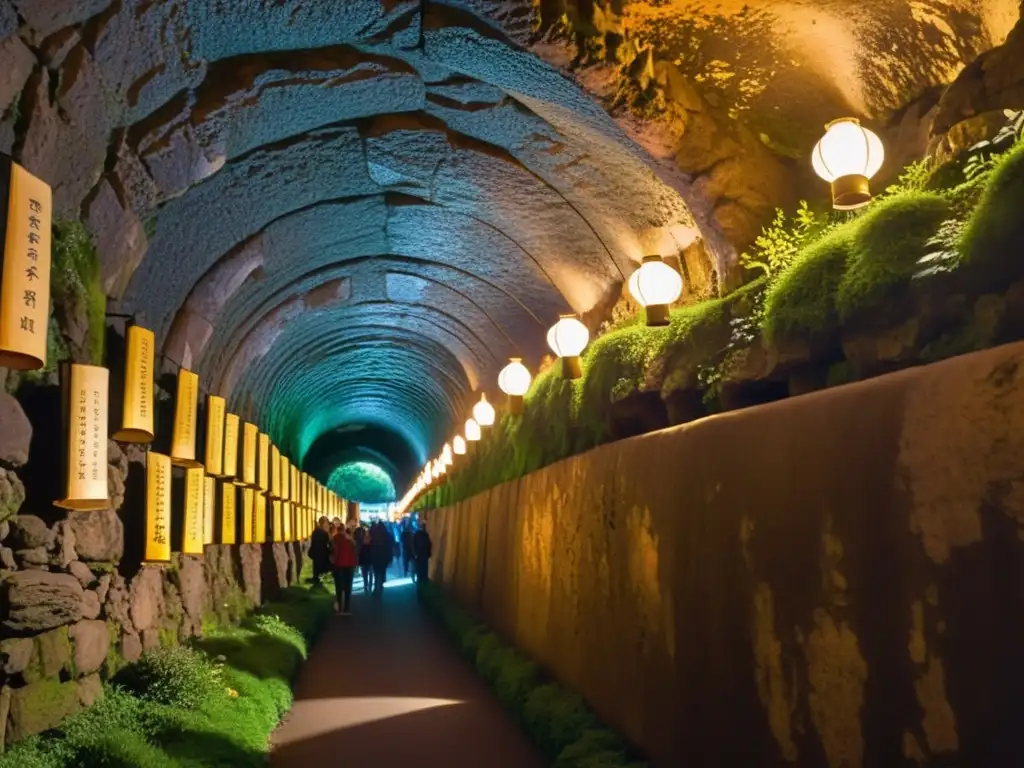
<point x="483" y="412"/>
<point x="472" y="430"/>
<point x="567" y="339"/>
<point x="655" y="285"/>
<point x="847" y="156"/>
<point x="514" y="381"/>
<point x="459" y="446"/>
<point x="446" y="455"/>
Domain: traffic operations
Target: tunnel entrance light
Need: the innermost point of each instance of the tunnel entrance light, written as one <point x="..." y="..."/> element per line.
<point x="514" y="381"/>
<point x="847" y="156"/>
<point x="567" y="339"/>
<point x="655" y="285"/>
<point x="483" y="412"/>
<point x="459" y="446"/>
<point x="472" y="430"/>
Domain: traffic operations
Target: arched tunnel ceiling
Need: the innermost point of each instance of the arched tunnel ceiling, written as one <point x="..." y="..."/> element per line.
<point x="355" y="211"/>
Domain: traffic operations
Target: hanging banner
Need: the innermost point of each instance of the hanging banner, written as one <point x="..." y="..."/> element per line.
<point x="248" y="515"/>
<point x="261" y="519"/>
<point x="276" y="523"/>
<point x="195" y="509"/>
<point x="263" y="478"/>
<point x="227" y="513"/>
<point x="137" y="407"/>
<point x="287" y="523"/>
<point x="214" y="458"/>
<point x="25" y="220"/>
<point x="275" y="472"/>
<point x="84" y="415"/>
<point x="250" y="437"/>
<point x="158" y="508"/>
<point x="209" y="508"/>
<point x="186" y="406"/>
<point x="231" y="445"/>
<point x="286" y="478"/>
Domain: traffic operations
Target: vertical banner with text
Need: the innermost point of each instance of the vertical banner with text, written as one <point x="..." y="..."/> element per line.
<point x="84" y="391"/>
<point x="195" y="509"/>
<point x="231" y="423"/>
<point x="158" y="508"/>
<point x="250" y="438"/>
<point x="263" y="481"/>
<point x="229" y="493"/>
<point x="137" y="406"/>
<point x="248" y="515"/>
<point x="261" y="518"/>
<point x="215" y="435"/>
<point x="275" y="472"/>
<point x="209" y="509"/>
<point x="186" y="409"/>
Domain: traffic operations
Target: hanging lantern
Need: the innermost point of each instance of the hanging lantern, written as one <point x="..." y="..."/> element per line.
<point x="847" y="156"/>
<point x="446" y="455"/>
<point x="514" y="381"/>
<point x="655" y="285"/>
<point x="137" y="402"/>
<point x="472" y="430"/>
<point x="459" y="445"/>
<point x="567" y="339"/>
<point x="483" y="412"/>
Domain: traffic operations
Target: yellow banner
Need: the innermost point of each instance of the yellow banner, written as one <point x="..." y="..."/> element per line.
<point x="275" y="472"/>
<point x="186" y="403"/>
<point x="209" y="508"/>
<point x="137" y="409"/>
<point x="25" y="218"/>
<point x="227" y="513"/>
<point x="261" y="518"/>
<point x="286" y="478"/>
<point x="215" y="435"/>
<point x="276" y="529"/>
<point x="192" y="539"/>
<point x="248" y="515"/>
<point x="230" y="445"/>
<point x="264" y="473"/>
<point x="85" y="428"/>
<point x="250" y="437"/>
<point x="295" y="487"/>
<point x="287" y="513"/>
<point x="158" y="508"/>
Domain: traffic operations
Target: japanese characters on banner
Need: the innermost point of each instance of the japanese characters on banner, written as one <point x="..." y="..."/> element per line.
<point x="230" y="445"/>
<point x="261" y="519"/>
<point x="25" y="220"/>
<point x="286" y="476"/>
<point x="158" y="508"/>
<point x="209" y="508"/>
<point x="215" y="407"/>
<point x="137" y="407"/>
<point x="227" y="513"/>
<point x="276" y="530"/>
<point x="275" y="472"/>
<point x="248" y="515"/>
<point x="250" y="434"/>
<point x="192" y="538"/>
<point x="186" y="407"/>
<point x="263" y="480"/>
<point x="84" y="411"/>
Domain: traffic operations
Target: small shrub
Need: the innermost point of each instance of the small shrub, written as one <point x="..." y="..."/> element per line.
<point x="802" y="300"/>
<point x="776" y="247"/>
<point x="555" y="717"/>
<point x="598" y="744"/>
<point x="515" y="678"/>
<point x="996" y="227"/>
<point x="488" y="656"/>
<point x="175" y="676"/>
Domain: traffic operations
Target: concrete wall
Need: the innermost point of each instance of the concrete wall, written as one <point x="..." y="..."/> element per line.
<point x="835" y="579"/>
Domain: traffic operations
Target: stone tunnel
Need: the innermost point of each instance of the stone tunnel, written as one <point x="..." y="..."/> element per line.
<point x="782" y="528"/>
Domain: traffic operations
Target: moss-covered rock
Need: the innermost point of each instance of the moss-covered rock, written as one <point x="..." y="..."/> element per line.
<point x="40" y="706"/>
<point x="80" y="304"/>
<point x="12" y="494"/>
<point x="995" y="230"/>
<point x="51" y="656"/>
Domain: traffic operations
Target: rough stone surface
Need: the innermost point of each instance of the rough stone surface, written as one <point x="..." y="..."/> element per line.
<point x="99" y="536"/>
<point x="146" y="598"/>
<point x="53" y="652"/>
<point x="90" y="604"/>
<point x="16" y="653"/>
<point x="7" y="561"/>
<point x="40" y="706"/>
<point x="64" y="544"/>
<point x="37" y="600"/>
<point x="33" y="558"/>
<point x="15" y="430"/>
<point x="90" y="640"/>
<point x="81" y="572"/>
<point x="90" y="690"/>
<point x="131" y="647"/>
<point x="873" y="500"/>
<point x="12" y="494"/>
<point x="29" y="532"/>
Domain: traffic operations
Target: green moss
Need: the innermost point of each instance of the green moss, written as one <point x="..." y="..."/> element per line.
<point x="996" y="229"/>
<point x="802" y="300"/>
<point x="75" y="279"/>
<point x="886" y="244"/>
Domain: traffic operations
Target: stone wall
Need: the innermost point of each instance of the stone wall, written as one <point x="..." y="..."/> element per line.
<point x="75" y="602"/>
<point x="834" y="579"/>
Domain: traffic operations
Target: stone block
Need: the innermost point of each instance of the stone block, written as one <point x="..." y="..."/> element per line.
<point x="91" y="641"/>
<point x="131" y="647"/>
<point x="52" y="655"/>
<point x="7" y="561"/>
<point x="33" y="558"/>
<point x="29" y="532"/>
<point x="16" y="655"/>
<point x="99" y="536"/>
<point x="16" y="64"/>
<point x="146" y="598"/>
<point x="64" y="544"/>
<point x="38" y="600"/>
<point x="90" y="690"/>
<point x="120" y="238"/>
<point x="15" y="428"/>
<point x="12" y="494"/>
<point x="81" y="572"/>
<point x="40" y="706"/>
<point x="90" y="604"/>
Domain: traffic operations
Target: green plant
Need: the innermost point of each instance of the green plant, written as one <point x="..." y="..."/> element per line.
<point x="175" y="676"/>
<point x="75" y="280"/>
<point x="996" y="223"/>
<point x="778" y="244"/>
<point x="913" y="178"/>
<point x="943" y="250"/>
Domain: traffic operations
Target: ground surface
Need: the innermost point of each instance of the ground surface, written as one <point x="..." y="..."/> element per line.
<point x="384" y="687"/>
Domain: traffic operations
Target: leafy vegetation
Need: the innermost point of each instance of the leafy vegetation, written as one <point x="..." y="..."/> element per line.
<point x="557" y="719"/>
<point x="211" y="704"/>
<point x="75" y="281"/>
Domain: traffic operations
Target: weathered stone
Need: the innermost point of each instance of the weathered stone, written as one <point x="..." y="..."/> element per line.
<point x="99" y="536"/>
<point x="103" y="587"/>
<point x="33" y="558"/>
<point x="90" y="690"/>
<point x="117" y="474"/>
<point x="29" y="532"/>
<point x="251" y="558"/>
<point x="5" y="529"/>
<point x="5" y="692"/>
<point x="40" y="706"/>
<point x="150" y="639"/>
<point x="12" y="494"/>
<point x="53" y="653"/>
<point x="192" y="586"/>
<point x="8" y="25"/>
<point x="120" y="238"/>
<point x="90" y="604"/>
<point x="38" y="600"/>
<point x="64" y="544"/>
<point x="15" y="430"/>
<point x="7" y="561"/>
<point x="16" y="64"/>
<point x="81" y="572"/>
<point x="46" y="18"/>
<point x="16" y="654"/>
<point x="91" y="641"/>
<point x="117" y="605"/>
<point x="131" y="647"/>
<point x="146" y="598"/>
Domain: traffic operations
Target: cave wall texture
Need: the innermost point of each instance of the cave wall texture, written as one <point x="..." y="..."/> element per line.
<point x="832" y="580"/>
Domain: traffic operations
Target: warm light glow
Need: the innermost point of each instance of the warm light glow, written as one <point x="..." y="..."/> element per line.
<point x="514" y="378"/>
<point x="472" y="430"/>
<point x="459" y="445"/>
<point x="655" y="283"/>
<point x="847" y="149"/>
<point x="446" y="455"/>
<point x="483" y="412"/>
<point x="568" y="337"/>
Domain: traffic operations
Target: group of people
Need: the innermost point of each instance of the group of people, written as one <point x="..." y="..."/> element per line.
<point x="339" y="549"/>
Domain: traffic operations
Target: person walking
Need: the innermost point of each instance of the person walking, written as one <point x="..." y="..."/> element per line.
<point x="408" y="554"/>
<point x="365" y="559"/>
<point x="320" y="550"/>
<point x="423" y="549"/>
<point x="383" y="553"/>
<point x="343" y="566"/>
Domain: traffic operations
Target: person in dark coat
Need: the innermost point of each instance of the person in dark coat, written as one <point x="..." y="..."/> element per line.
<point x="365" y="550"/>
<point x="408" y="554"/>
<point x="423" y="549"/>
<point x="383" y="551"/>
<point x="320" y="550"/>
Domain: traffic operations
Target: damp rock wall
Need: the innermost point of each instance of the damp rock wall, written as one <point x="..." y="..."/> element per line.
<point x="76" y="602"/>
<point x="830" y="580"/>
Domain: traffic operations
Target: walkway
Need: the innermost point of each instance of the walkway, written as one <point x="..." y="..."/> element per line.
<point x="385" y="688"/>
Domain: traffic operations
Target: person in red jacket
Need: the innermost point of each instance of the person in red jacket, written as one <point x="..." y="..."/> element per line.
<point x="343" y="566"/>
